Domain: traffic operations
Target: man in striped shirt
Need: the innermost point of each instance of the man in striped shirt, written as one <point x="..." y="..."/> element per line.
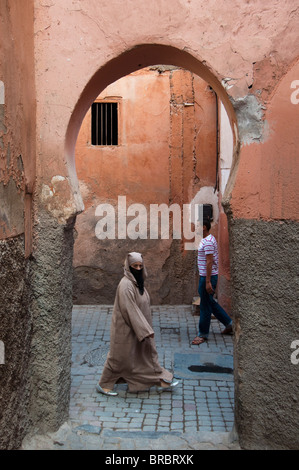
<point x="207" y="262"/>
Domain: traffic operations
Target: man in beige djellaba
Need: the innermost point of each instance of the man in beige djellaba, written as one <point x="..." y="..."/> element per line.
<point x="133" y="357"/>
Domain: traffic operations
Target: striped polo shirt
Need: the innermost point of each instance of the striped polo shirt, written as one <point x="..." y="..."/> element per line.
<point x="207" y="246"/>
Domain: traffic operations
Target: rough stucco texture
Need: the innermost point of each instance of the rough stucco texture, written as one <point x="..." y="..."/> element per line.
<point x="51" y="284"/>
<point x="265" y="305"/>
<point x="15" y="333"/>
<point x="17" y="169"/>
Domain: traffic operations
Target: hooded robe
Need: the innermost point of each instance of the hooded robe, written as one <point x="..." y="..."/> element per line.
<point x="133" y="357"/>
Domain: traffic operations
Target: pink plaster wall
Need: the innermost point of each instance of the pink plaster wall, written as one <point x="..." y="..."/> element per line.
<point x="268" y="175"/>
<point x="254" y="51"/>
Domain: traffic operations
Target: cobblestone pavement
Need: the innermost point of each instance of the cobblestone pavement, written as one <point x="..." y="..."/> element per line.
<point x="197" y="414"/>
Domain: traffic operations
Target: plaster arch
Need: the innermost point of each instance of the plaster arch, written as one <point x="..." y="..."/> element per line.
<point x="130" y="61"/>
<point x="139" y="57"/>
<point x="52" y="265"/>
<point x="261" y="215"/>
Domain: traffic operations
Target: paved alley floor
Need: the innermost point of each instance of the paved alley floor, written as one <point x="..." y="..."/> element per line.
<point x="197" y="414"/>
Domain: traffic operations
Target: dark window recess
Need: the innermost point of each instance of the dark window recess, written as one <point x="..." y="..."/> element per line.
<point x="104" y="124"/>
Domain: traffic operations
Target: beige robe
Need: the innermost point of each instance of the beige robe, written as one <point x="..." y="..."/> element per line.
<point x="133" y="357"/>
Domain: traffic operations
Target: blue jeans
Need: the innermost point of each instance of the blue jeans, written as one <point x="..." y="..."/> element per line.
<point x="208" y="305"/>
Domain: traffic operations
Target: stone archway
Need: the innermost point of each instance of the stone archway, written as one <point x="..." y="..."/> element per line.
<point x="136" y="59"/>
<point x="133" y="60"/>
<point x="56" y="207"/>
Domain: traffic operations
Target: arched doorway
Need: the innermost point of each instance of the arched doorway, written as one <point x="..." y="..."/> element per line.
<point x="151" y="55"/>
<point x="130" y="61"/>
<point x="135" y="60"/>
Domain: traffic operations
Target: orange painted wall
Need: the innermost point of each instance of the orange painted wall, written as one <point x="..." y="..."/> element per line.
<point x="138" y="166"/>
<point x="167" y="152"/>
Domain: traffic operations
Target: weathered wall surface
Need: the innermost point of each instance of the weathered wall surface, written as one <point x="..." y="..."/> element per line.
<point x="80" y="48"/>
<point x="17" y="167"/>
<point x="264" y="238"/>
<point x="166" y="153"/>
<point x="15" y="333"/>
<point x="17" y="117"/>
<point x="265" y="306"/>
<point x="247" y="53"/>
<point x="51" y="310"/>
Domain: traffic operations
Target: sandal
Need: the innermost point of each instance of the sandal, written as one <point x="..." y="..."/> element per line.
<point x="110" y="393"/>
<point x="168" y="387"/>
<point x="198" y="340"/>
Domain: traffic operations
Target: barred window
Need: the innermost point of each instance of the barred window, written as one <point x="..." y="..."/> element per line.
<point x="104" y="124"/>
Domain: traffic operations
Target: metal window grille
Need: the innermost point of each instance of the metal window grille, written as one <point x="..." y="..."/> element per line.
<point x="104" y="124"/>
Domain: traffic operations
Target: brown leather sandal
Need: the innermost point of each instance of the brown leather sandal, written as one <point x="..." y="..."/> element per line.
<point x="198" y="340"/>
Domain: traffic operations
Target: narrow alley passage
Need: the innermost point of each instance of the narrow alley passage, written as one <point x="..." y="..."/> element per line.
<point x="197" y="414"/>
